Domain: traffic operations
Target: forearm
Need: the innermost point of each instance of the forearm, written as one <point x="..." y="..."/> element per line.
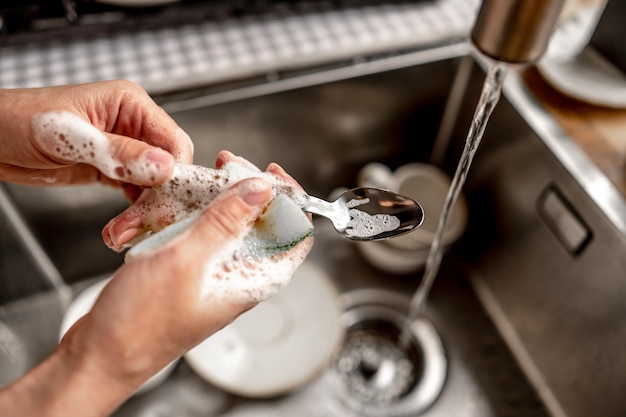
<point x="63" y="386"/>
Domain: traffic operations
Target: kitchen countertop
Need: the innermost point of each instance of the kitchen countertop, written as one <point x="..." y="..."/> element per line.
<point x="599" y="131"/>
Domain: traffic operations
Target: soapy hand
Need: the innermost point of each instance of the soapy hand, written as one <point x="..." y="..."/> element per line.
<point x="186" y="193"/>
<point x="163" y="302"/>
<point x="154" y="309"/>
<point x="111" y="132"/>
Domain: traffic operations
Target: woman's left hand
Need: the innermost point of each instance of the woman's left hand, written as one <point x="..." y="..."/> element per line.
<point x="110" y="132"/>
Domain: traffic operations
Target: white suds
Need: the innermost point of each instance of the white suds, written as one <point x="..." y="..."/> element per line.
<point x="250" y="268"/>
<point x="249" y="278"/>
<point x="357" y="202"/>
<point x="70" y="138"/>
<point x="365" y="225"/>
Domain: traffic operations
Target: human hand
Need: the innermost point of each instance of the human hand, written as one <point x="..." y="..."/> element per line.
<point x="160" y="206"/>
<point x="162" y="303"/>
<point x="111" y="132"/>
<point x="155" y="308"/>
<point x="231" y="285"/>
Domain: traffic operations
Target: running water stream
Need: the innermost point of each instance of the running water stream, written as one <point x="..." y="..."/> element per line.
<point x="488" y="99"/>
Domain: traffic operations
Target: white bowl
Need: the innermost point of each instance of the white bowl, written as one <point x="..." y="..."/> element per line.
<point x="375" y="175"/>
<point x="428" y="185"/>
<point x="393" y="259"/>
<point x="81" y="305"/>
<point x="278" y="346"/>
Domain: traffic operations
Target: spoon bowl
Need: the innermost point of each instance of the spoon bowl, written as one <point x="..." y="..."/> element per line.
<point x="368" y="214"/>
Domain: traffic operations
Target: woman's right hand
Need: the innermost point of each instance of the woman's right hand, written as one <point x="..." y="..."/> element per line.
<point x="154" y="309"/>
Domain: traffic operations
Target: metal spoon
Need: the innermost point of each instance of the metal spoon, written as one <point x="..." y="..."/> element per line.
<point x="366" y="214"/>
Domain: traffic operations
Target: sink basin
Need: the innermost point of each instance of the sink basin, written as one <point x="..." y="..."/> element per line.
<point x="321" y="134"/>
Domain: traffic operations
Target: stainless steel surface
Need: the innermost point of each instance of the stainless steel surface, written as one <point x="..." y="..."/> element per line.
<point x="515" y="31"/>
<point x="561" y="311"/>
<point x="550" y="341"/>
<point x="320" y="122"/>
<point x="563" y="220"/>
<point x="213" y="95"/>
<point x="12" y="355"/>
<point x="26" y="268"/>
<point x="368" y="214"/>
<point x="322" y="135"/>
<point x="374" y="374"/>
<point x="593" y="181"/>
<point x="576" y="25"/>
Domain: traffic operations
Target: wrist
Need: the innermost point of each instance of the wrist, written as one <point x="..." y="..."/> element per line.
<point x="63" y="385"/>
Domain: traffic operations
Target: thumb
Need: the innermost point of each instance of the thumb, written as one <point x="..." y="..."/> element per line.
<point x="232" y="214"/>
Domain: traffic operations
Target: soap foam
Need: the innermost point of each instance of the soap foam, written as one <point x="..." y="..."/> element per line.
<point x="191" y="188"/>
<point x="365" y="225"/>
<point x="243" y="278"/>
<point x="241" y="271"/>
<point x="69" y="138"/>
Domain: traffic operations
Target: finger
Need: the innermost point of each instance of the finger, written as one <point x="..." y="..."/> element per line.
<point x="128" y="224"/>
<point x="219" y="238"/>
<point x="68" y="139"/>
<point x="232" y="214"/>
<point x="75" y="174"/>
<point x="136" y="162"/>
<point x="119" y="231"/>
<point x="156" y="128"/>
<point x="137" y="116"/>
<point x="65" y="175"/>
<point x="131" y="191"/>
<point x="275" y="169"/>
<point x="223" y="157"/>
<point x="137" y="219"/>
<point x="278" y="171"/>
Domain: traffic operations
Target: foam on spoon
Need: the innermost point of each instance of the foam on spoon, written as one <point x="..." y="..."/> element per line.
<point x="363" y="224"/>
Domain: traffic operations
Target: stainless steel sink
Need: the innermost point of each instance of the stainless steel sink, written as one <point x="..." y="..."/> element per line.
<point x="323" y="134"/>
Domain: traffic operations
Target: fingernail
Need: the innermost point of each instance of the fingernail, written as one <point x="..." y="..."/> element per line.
<point x="159" y="156"/>
<point x="124" y="237"/>
<point x="255" y="191"/>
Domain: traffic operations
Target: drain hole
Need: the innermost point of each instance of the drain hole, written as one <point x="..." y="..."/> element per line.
<point x="372" y="375"/>
<point x="372" y="366"/>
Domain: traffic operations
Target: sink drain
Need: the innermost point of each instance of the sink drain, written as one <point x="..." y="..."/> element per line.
<point x="372" y="374"/>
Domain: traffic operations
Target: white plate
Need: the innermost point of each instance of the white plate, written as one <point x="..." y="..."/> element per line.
<point x="279" y="345"/>
<point x="587" y="77"/>
<point x="81" y="305"/>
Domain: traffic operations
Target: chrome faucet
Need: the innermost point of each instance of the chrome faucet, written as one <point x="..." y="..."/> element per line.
<point x="515" y="31"/>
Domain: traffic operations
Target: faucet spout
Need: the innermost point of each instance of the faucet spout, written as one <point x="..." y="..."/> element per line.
<point x="515" y="31"/>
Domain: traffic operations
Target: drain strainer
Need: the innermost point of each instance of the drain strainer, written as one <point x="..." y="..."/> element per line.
<point x="374" y="375"/>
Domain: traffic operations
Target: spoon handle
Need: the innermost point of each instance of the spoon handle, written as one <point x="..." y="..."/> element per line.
<point x="336" y="211"/>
